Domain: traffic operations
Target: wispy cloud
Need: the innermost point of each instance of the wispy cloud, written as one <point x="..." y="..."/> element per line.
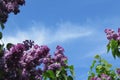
<point x="68" y="31"/>
<point x="45" y="35"/>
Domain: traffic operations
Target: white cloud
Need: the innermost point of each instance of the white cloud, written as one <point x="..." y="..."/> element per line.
<point x="44" y="35"/>
<point x="68" y="31"/>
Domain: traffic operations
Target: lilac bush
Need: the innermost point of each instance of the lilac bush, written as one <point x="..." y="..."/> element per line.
<point x="21" y="61"/>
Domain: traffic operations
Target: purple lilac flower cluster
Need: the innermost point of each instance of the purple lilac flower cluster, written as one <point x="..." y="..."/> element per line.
<point x="8" y="6"/>
<point x="21" y="60"/>
<point x="102" y="77"/>
<point x="112" y="35"/>
<point x="54" y="63"/>
<point x="118" y="71"/>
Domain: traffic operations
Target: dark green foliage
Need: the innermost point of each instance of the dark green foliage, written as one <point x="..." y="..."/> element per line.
<point x="2" y="25"/>
<point x="0" y="35"/>
<point x="61" y="74"/>
<point x="114" y="47"/>
<point x="9" y="45"/>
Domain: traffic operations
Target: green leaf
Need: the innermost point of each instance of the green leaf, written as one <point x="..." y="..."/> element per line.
<point x="113" y="53"/>
<point x="106" y="64"/>
<point x="0" y="35"/>
<point x="108" y="47"/>
<point x="65" y="61"/>
<point x="72" y="70"/>
<point x="93" y="74"/>
<point x="99" y="67"/>
<point x="93" y="64"/>
<point x="2" y="25"/>
<point x="69" y="78"/>
<point x="113" y="44"/>
<point x="1" y="46"/>
<point x="114" y="48"/>
<point x="97" y="56"/>
<point x="1" y="50"/>
<point x="9" y="45"/>
<point x="64" y="76"/>
<point x="89" y="77"/>
<point x="109" y="65"/>
<point x="50" y="74"/>
<point x="58" y="73"/>
<point x="104" y="61"/>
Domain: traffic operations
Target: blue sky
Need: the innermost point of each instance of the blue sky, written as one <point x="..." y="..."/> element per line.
<point x="76" y="25"/>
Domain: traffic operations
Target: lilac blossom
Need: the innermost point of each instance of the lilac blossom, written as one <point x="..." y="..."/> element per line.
<point x="95" y="78"/>
<point x="118" y="71"/>
<point x="112" y="35"/>
<point x="8" y="6"/>
<point x="102" y="77"/>
<point x="54" y="66"/>
<point x="106" y="77"/>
